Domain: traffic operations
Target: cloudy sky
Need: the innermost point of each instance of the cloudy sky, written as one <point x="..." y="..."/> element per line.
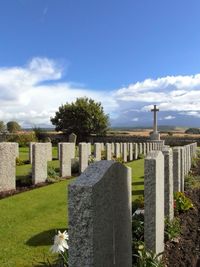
<point x="128" y="54"/>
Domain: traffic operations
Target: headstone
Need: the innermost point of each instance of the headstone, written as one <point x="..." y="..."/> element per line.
<point x="135" y="151"/>
<point x="39" y="164"/>
<point x="130" y="151"/>
<point x="58" y="151"/>
<point x="102" y="147"/>
<point x="168" y="182"/>
<point x="72" y="138"/>
<point x="65" y="159"/>
<point x="144" y="148"/>
<point x="182" y="167"/>
<point x="124" y="152"/>
<point x="97" y="151"/>
<point x="108" y="151"/>
<point x="49" y="151"/>
<point x="117" y="150"/>
<point x="7" y="166"/>
<point x="113" y="148"/>
<point x="83" y="156"/>
<point x="89" y="149"/>
<point x="100" y="217"/>
<point x="147" y="148"/>
<point x="30" y="152"/>
<point x="154" y="202"/>
<point x="177" y="169"/>
<point x="140" y="148"/>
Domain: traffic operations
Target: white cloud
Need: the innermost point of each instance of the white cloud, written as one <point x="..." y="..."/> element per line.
<point x="171" y="93"/>
<point x="32" y="93"/>
<point x="169" y="117"/>
<point x="25" y="97"/>
<point x="191" y="113"/>
<point x="135" y="119"/>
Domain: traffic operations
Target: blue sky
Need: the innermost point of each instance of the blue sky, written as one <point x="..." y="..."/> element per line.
<point x="127" y="54"/>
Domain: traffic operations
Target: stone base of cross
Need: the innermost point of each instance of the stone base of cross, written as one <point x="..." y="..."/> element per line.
<point x="155" y="136"/>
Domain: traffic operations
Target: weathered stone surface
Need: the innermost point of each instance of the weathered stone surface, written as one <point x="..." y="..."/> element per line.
<point x="72" y="138"/>
<point x="154" y="201"/>
<point x="49" y="151"/>
<point x="177" y="169"/>
<point x="89" y="149"/>
<point x="97" y="151"/>
<point x="100" y="217"/>
<point x="168" y="182"/>
<point x="130" y="151"/>
<point x="113" y="148"/>
<point x="7" y="166"/>
<point x="108" y="151"/>
<point x="144" y="149"/>
<point x="65" y="159"/>
<point x="147" y="148"/>
<point x="39" y="164"/>
<point x="31" y="152"/>
<point x="182" y="168"/>
<point x="83" y="156"/>
<point x="102" y="147"/>
<point x="140" y="148"/>
<point x="58" y="151"/>
<point x="117" y="150"/>
<point x="124" y="152"/>
<point x="135" y="151"/>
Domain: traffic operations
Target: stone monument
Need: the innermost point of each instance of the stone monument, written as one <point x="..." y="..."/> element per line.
<point x="155" y="136"/>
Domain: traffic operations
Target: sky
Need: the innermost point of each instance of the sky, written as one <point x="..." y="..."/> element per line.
<point x="127" y="54"/>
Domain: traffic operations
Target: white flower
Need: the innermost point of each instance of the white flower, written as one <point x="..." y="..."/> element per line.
<point x="60" y="242"/>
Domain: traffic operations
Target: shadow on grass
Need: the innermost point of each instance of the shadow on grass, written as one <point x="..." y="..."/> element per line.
<point x="23" y="180"/>
<point x="137" y="183"/>
<point x="137" y="192"/>
<point x="44" y="238"/>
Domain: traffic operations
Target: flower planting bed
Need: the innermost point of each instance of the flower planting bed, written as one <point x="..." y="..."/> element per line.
<point x="184" y="251"/>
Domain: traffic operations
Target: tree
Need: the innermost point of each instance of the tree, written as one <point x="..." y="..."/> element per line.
<point x="82" y="117"/>
<point x="13" y="126"/>
<point x="192" y="131"/>
<point x="2" y="126"/>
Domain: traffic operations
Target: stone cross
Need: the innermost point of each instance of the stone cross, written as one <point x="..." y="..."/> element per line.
<point x="155" y="118"/>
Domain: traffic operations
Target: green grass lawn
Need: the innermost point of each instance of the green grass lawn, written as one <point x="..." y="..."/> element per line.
<point x="137" y="178"/>
<point x="29" y="219"/>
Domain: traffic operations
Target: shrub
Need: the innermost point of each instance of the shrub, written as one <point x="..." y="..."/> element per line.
<point x="120" y="160"/>
<point x="192" y="131"/>
<point x="137" y="233"/>
<point x="192" y="181"/>
<point x="103" y="155"/>
<point x="39" y="133"/>
<point x="181" y="202"/>
<point x="53" y="174"/>
<point x="91" y="159"/>
<point x="141" y="156"/>
<point x="172" y="228"/>
<point x="22" y="139"/>
<point x="138" y="203"/>
<point x="147" y="258"/>
<point x="20" y="162"/>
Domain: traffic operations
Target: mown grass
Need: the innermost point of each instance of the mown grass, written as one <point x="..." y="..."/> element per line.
<point x="137" y="178"/>
<point x="29" y="219"/>
<point x="28" y="224"/>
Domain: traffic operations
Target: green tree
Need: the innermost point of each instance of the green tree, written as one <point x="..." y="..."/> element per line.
<point x="82" y="117"/>
<point x="2" y="126"/>
<point x="192" y="131"/>
<point x="13" y="126"/>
